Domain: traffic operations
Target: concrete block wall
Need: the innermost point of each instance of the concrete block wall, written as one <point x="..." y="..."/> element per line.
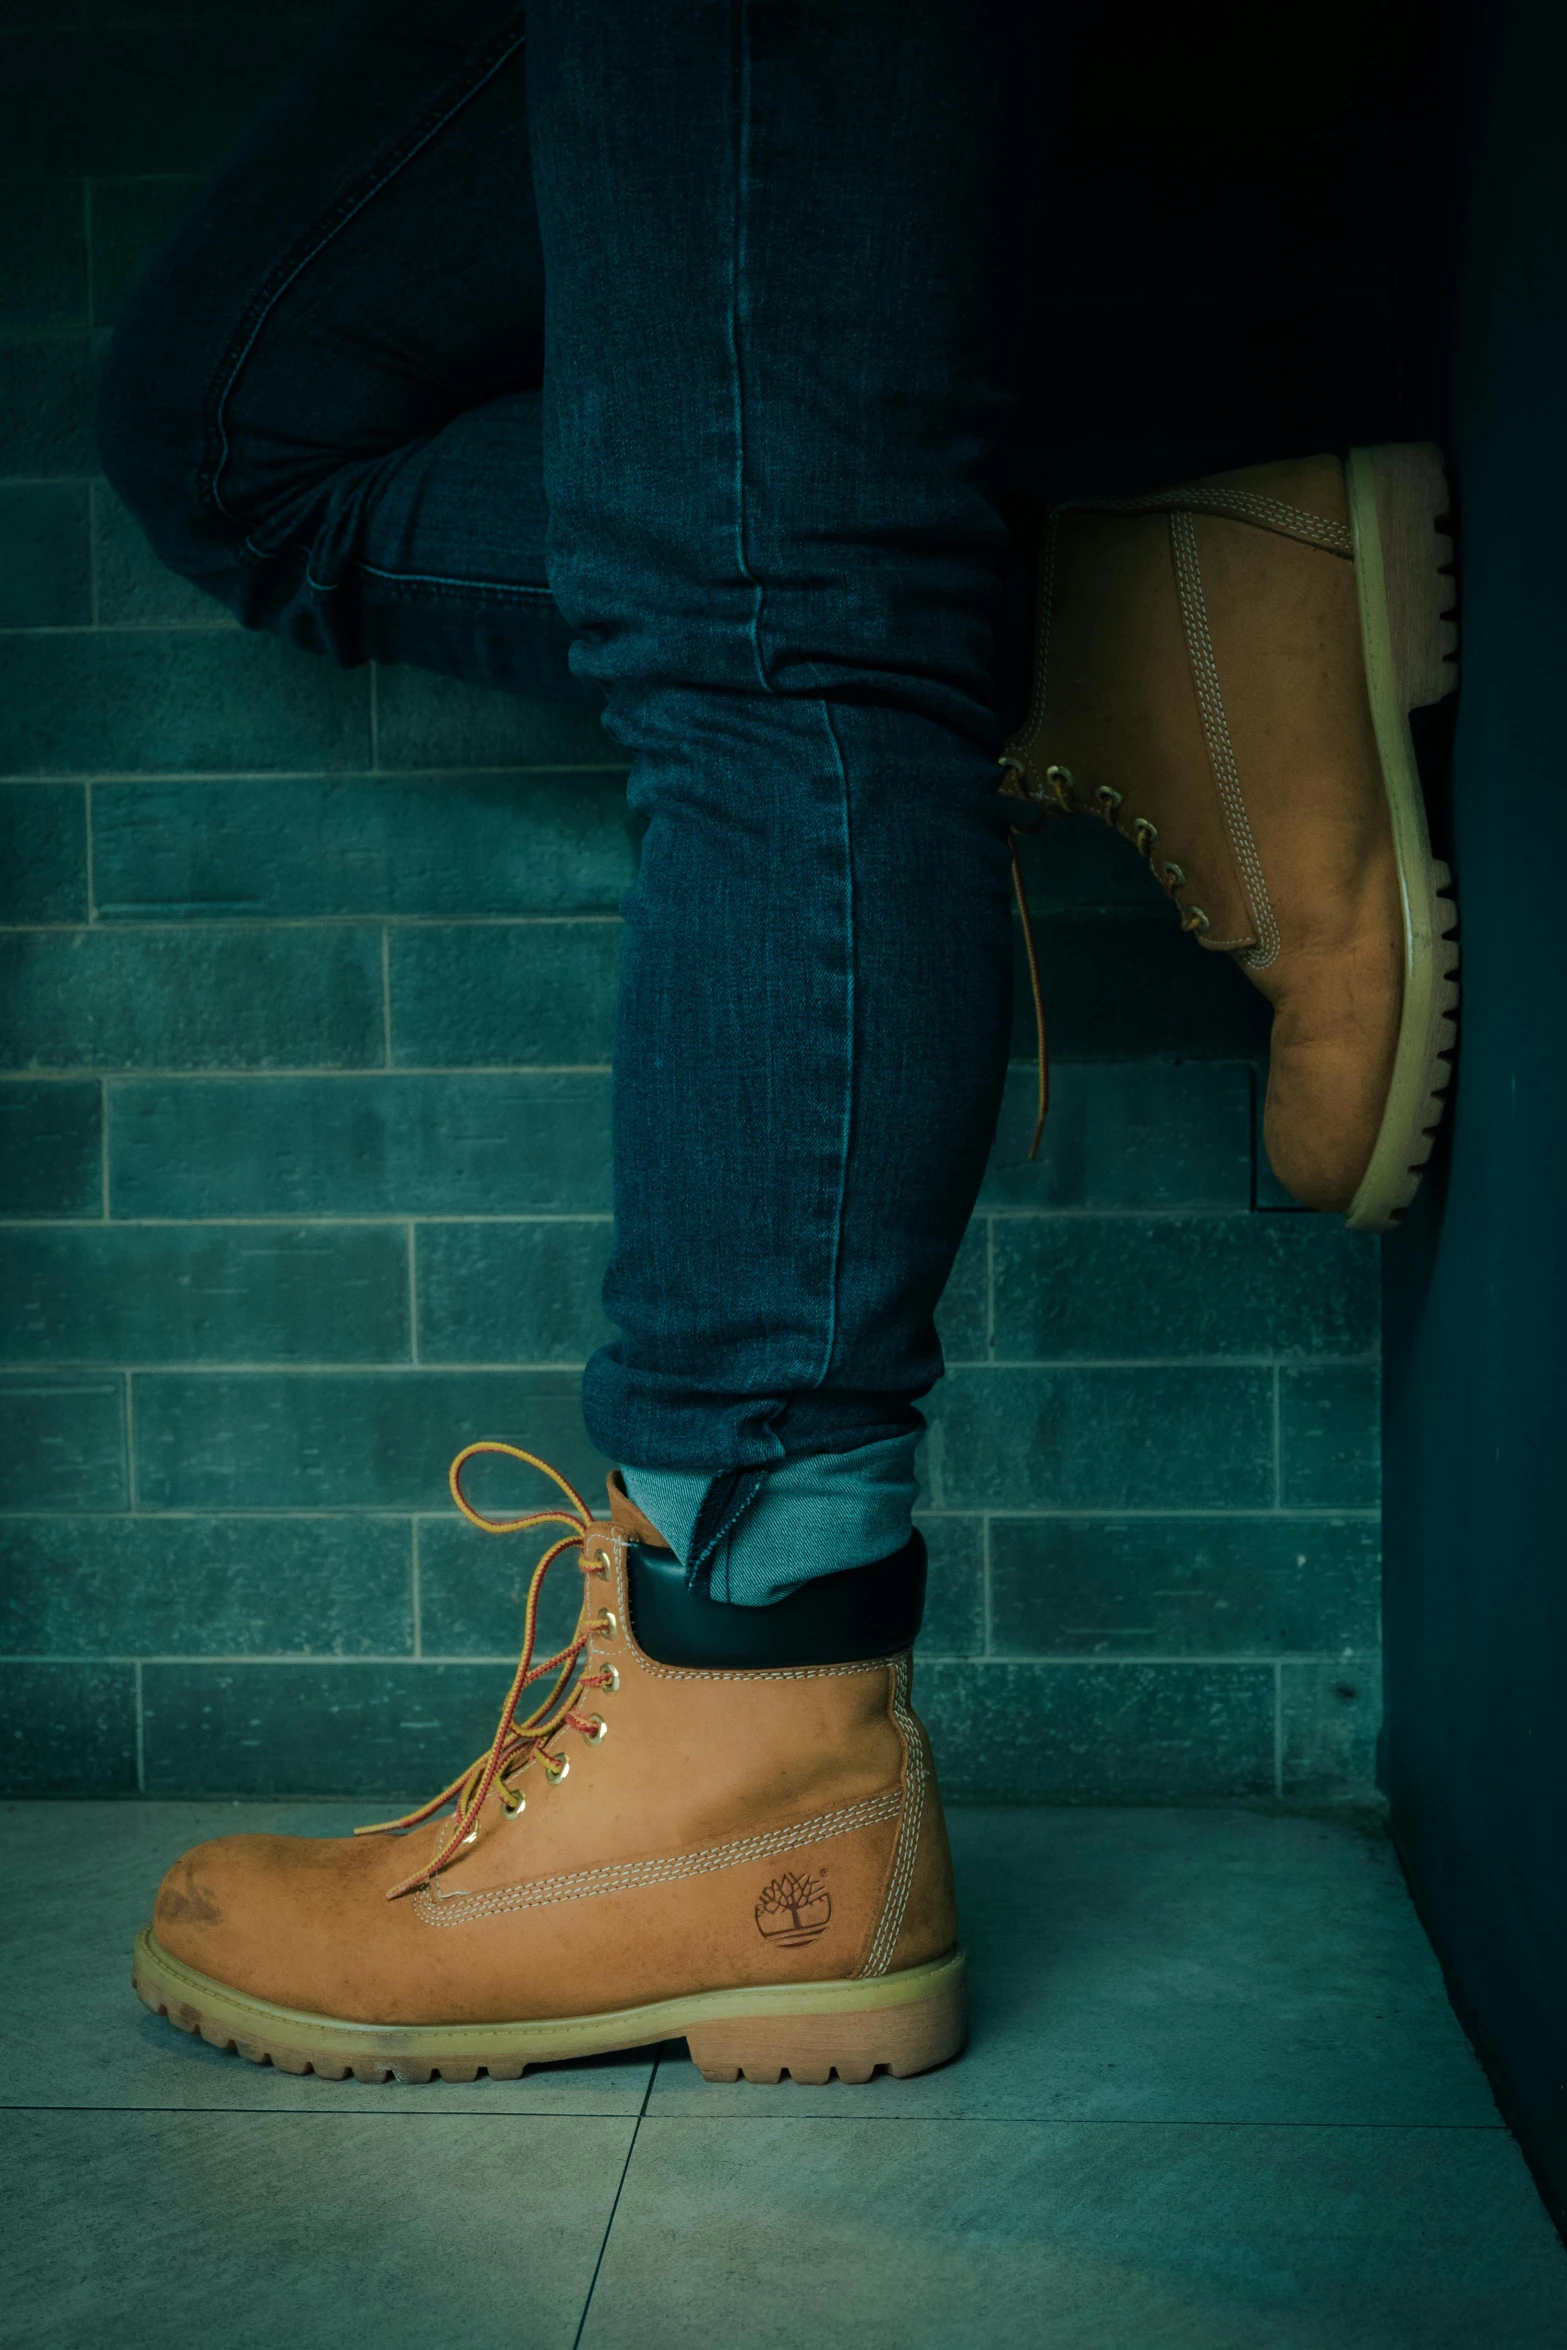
<point x="306" y="985"/>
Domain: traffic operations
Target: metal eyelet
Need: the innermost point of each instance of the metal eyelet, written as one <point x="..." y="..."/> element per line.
<point x="1174" y="875"/>
<point x="515" y="1810"/>
<point x="555" y="1773"/>
<point x="603" y="1563"/>
<point x="472" y="1837"/>
<point x="609" y="1679"/>
<point x="1194" y="919"/>
<point x="599" y="1732"/>
<point x="1060" y="784"/>
<point x="1145" y="834"/>
<point x="1109" y="800"/>
<point x="607" y="1622"/>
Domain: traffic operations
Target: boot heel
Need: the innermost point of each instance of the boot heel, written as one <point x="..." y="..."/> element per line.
<point x="1413" y="509"/>
<point x="905" y="2037"/>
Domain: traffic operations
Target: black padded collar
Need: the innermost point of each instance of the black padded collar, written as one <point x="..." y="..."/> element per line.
<point x="835" y="1620"/>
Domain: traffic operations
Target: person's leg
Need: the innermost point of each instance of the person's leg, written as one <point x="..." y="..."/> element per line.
<point x="782" y="245"/>
<point x="324" y="405"/>
<point x="778" y="241"/>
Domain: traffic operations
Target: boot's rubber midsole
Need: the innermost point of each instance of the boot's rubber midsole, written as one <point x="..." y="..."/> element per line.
<point x="221" y="2014"/>
<point x="1419" y="1073"/>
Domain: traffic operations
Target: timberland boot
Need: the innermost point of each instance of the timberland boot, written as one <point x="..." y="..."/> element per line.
<point x="721" y="1822"/>
<point x="1224" y="673"/>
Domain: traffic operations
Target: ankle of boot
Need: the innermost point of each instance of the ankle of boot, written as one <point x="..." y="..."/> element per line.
<point x="840" y="1619"/>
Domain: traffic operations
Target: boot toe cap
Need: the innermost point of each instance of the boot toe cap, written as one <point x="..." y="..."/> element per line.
<point x="252" y="1911"/>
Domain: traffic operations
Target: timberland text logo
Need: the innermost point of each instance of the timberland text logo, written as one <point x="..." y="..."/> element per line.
<point x="793" y="1910"/>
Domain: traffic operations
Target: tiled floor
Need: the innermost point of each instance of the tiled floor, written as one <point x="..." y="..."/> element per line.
<point x="1215" y="2101"/>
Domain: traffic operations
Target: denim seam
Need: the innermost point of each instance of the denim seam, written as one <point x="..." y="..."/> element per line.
<point x="739" y="251"/>
<point x="285" y="276"/>
<point x="497" y="590"/>
<point x="846" y="1118"/>
<point x="710" y="1548"/>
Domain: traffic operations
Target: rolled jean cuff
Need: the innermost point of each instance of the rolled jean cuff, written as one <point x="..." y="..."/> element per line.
<point x="808" y="1517"/>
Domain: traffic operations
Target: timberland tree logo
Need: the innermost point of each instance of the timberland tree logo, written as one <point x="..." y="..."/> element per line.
<point x="793" y="1910"/>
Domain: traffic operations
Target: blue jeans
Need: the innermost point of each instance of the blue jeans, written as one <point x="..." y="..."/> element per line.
<point x="662" y="358"/>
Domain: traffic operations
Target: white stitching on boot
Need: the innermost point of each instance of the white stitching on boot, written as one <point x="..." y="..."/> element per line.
<point x="885" y="1941"/>
<point x="1216" y="728"/>
<point x="1290" y="522"/>
<point x="438" y="1908"/>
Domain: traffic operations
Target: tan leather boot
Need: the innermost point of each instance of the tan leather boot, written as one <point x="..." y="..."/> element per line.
<point x="754" y="1858"/>
<point x="1225" y="673"/>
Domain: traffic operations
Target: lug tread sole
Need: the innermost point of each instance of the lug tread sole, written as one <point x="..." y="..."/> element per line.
<point x="1400" y="517"/>
<point x="902" y="2023"/>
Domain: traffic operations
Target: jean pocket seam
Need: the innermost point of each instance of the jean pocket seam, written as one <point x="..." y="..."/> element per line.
<point x="348" y="205"/>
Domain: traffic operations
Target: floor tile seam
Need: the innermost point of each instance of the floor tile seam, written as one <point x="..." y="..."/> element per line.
<point x="1009" y="2121"/>
<point x="609" y="2224"/>
<point x="342" y="2113"/>
<point x="510" y="2115"/>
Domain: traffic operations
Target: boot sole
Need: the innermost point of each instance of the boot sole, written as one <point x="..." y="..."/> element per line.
<point x="1398" y="510"/>
<point x="905" y="2022"/>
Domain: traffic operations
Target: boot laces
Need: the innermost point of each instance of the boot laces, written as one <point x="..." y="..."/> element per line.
<point x="516" y="1742"/>
<point x="1057" y="789"/>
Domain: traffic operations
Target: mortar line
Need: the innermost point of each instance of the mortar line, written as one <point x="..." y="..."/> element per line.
<point x="1278" y="1728"/>
<point x="111" y="627"/>
<point x="441" y="768"/>
<point x="330" y="1659"/>
<point x="93" y="540"/>
<point x="333" y="1220"/>
<point x="386" y="998"/>
<point x="988" y="1636"/>
<point x="162" y="917"/>
<point x="141" y="1736"/>
<point x="130" y="1441"/>
<point x="376" y="1511"/>
<point x="990" y="1288"/>
<point x="104" y="1092"/>
<point x="416" y="1593"/>
<point x="61" y="1072"/>
<point x="88" y="256"/>
<point x="87" y="829"/>
<point x="1278" y="1458"/>
<point x="413" y="1293"/>
<point x="379" y="1366"/>
<point x="375" y="718"/>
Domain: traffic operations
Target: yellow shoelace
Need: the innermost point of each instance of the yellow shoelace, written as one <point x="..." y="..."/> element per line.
<point x="516" y="1743"/>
